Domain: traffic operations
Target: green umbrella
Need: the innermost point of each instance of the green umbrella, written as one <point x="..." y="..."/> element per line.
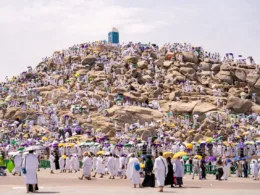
<point x="127" y="145"/>
<point x="10" y="166"/>
<point x="21" y="149"/>
<point x="185" y="157"/>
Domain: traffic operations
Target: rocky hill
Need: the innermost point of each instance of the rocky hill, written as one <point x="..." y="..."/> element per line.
<point x="190" y="95"/>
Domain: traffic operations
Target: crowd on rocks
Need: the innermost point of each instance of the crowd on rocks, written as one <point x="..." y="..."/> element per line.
<point x="177" y="98"/>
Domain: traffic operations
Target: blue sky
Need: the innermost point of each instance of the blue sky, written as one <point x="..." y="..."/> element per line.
<point x="32" y="29"/>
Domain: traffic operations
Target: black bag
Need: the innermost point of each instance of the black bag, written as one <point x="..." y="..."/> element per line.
<point x="24" y="169"/>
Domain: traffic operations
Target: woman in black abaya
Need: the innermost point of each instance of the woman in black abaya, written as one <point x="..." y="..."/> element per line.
<point x="149" y="179"/>
<point x="169" y="180"/>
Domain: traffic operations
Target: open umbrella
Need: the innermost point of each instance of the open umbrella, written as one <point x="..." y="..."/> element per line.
<point x="167" y="154"/>
<point x="198" y="157"/>
<point x="101" y="152"/>
<point x="185" y="157"/>
<point x="32" y="148"/>
<point x="179" y="154"/>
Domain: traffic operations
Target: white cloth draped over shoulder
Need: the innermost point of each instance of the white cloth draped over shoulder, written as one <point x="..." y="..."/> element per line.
<point x="132" y="173"/>
<point x="31" y="163"/>
<point x="161" y="170"/>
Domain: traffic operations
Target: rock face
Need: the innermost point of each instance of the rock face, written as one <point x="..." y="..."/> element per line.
<point x="190" y="57"/>
<point x="134" y="85"/>
<point x="88" y="60"/>
<point x="238" y="105"/>
<point x="225" y="76"/>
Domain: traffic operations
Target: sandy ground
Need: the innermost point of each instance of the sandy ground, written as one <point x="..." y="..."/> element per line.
<point x="68" y="183"/>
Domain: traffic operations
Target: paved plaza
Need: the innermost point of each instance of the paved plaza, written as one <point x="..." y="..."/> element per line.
<point x="69" y="184"/>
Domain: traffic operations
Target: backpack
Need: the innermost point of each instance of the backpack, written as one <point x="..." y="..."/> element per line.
<point x="137" y="166"/>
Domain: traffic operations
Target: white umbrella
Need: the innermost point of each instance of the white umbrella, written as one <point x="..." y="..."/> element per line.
<point x="13" y="153"/>
<point x="30" y="148"/>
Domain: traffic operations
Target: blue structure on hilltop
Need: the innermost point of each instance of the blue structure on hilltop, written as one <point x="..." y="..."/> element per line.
<point x="113" y="36"/>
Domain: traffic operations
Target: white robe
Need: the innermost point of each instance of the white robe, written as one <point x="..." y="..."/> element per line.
<point x="18" y="164"/>
<point x="51" y="159"/>
<point x="178" y="168"/>
<point x="132" y="173"/>
<point x="31" y="163"/>
<point x="61" y="163"/>
<point x="77" y="163"/>
<point x="87" y="166"/>
<point x="122" y="165"/>
<point x="111" y="166"/>
<point x="73" y="163"/>
<point x="256" y="170"/>
<point x="226" y="170"/>
<point x="67" y="166"/>
<point x="100" y="166"/>
<point x="161" y="170"/>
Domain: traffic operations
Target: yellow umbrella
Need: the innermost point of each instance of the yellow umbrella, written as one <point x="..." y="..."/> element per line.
<point x="61" y="145"/>
<point x="25" y="136"/>
<point x="179" y="154"/>
<point x="167" y="154"/>
<point x="71" y="145"/>
<point x="44" y="139"/>
<point x="77" y="136"/>
<point x="101" y="152"/>
<point x="198" y="157"/>
<point x="225" y="143"/>
<point x="190" y="146"/>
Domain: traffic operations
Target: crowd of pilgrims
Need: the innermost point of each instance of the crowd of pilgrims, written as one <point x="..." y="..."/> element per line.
<point x="160" y="168"/>
<point x="16" y="92"/>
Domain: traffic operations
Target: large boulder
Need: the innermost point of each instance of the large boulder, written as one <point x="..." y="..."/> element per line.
<point x="208" y="124"/>
<point x="205" y="66"/>
<point x="187" y="70"/>
<point x="133" y="113"/>
<point x="181" y="107"/>
<point x="197" y="137"/>
<point x="167" y="64"/>
<point x="238" y="105"/>
<point x="143" y="64"/>
<point x="174" y="94"/>
<point x="131" y="59"/>
<point x="225" y="76"/>
<point x="225" y="67"/>
<point x="190" y="57"/>
<point x="240" y="75"/>
<point x="257" y="84"/>
<point x="147" y="78"/>
<point x="215" y="67"/>
<point x="88" y="60"/>
<point x="202" y="108"/>
<point x="252" y="78"/>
